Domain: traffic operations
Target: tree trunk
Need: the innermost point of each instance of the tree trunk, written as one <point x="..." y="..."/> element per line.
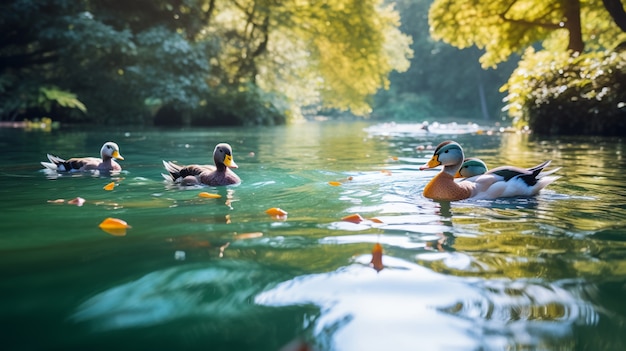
<point x="616" y="10"/>
<point x="572" y="23"/>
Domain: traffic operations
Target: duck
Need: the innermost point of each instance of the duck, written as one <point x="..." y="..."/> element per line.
<point x="109" y="152"/>
<point x="220" y="174"/>
<point x="500" y="182"/>
<point x="471" y="167"/>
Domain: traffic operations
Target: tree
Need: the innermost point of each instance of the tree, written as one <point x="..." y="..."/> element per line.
<point x="442" y="80"/>
<point x="504" y="27"/>
<point x="126" y="60"/>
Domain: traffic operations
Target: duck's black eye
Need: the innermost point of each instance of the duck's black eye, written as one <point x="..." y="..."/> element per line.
<point x="109" y="146"/>
<point x="446" y="151"/>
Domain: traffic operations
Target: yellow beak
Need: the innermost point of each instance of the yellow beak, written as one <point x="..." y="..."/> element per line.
<point x="116" y="155"/>
<point x="228" y="161"/>
<point x="434" y="162"/>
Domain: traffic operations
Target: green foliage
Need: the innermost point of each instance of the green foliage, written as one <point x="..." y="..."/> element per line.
<point x="52" y="95"/>
<point x="127" y="60"/>
<point x="442" y="81"/>
<point x="505" y="27"/>
<point x="556" y="93"/>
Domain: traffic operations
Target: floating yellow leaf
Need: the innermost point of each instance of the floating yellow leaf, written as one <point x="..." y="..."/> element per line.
<point x="354" y="218"/>
<point x="114" y="226"/>
<point x="377" y="257"/>
<point x="277" y="212"/>
<point x="209" y="195"/>
<point x="109" y="186"/>
<point x="334" y="183"/>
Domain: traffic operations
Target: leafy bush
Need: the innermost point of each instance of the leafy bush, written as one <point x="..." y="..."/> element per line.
<point x="557" y="93"/>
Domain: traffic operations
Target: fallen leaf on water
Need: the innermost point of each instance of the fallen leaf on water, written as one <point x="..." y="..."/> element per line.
<point x="350" y="178"/>
<point x="385" y="172"/>
<point x="277" y="212"/>
<point x="57" y="201"/>
<point x="249" y="235"/>
<point x="78" y="201"/>
<point x="114" y="226"/>
<point x="109" y="186"/>
<point x="227" y="217"/>
<point x="376" y="220"/>
<point x="354" y="218"/>
<point x="377" y="257"/>
<point x="334" y="183"/>
<point x="209" y="195"/>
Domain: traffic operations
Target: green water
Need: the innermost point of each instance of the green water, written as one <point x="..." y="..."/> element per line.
<point x="545" y="273"/>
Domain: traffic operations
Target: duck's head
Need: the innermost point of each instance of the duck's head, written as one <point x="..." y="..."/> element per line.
<point x="110" y="150"/>
<point x="449" y="154"/>
<point x="471" y="167"/>
<point x="223" y="154"/>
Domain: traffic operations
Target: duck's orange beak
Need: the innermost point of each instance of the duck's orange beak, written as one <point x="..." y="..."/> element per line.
<point x="116" y="155"/>
<point x="229" y="162"/>
<point x="434" y="162"/>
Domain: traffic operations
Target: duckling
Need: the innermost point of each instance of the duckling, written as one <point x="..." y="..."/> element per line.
<point x="505" y="181"/>
<point x="106" y="163"/>
<point x="220" y="174"/>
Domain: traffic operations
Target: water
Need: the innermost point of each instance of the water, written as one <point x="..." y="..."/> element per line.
<point x="545" y="273"/>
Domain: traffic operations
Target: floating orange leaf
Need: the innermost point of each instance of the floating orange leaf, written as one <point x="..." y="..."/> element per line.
<point x="354" y="218"/>
<point x="385" y="172"/>
<point x="209" y="195"/>
<point x="377" y="257"/>
<point x="334" y="183"/>
<point x="114" y="226"/>
<point x="277" y="212"/>
<point x="350" y="178"/>
<point x="376" y="220"/>
<point x="109" y="186"/>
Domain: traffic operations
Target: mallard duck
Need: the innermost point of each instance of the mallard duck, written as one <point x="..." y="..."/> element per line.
<point x="471" y="167"/>
<point x="506" y="181"/>
<point x="220" y="174"/>
<point x="106" y="163"/>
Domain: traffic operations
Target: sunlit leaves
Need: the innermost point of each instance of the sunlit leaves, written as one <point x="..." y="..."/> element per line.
<point x="335" y="53"/>
<point x="504" y="27"/>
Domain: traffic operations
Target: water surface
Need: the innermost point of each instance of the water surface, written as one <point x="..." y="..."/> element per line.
<point x="547" y="272"/>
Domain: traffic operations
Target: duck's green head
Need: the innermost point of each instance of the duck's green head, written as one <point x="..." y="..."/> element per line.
<point x="471" y="167"/>
<point x="448" y="153"/>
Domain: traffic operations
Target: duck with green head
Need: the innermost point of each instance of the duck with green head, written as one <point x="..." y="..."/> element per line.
<point x="505" y="181"/>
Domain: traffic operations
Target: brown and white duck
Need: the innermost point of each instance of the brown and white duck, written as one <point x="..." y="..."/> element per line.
<point x="220" y="174"/>
<point x="109" y="152"/>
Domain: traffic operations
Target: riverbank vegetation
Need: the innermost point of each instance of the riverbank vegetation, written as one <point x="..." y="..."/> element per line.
<point x="554" y="65"/>
<point x="195" y="61"/>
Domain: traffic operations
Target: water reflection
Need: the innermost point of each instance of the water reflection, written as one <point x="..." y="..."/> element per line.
<point x="398" y="307"/>
<point x="221" y="289"/>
